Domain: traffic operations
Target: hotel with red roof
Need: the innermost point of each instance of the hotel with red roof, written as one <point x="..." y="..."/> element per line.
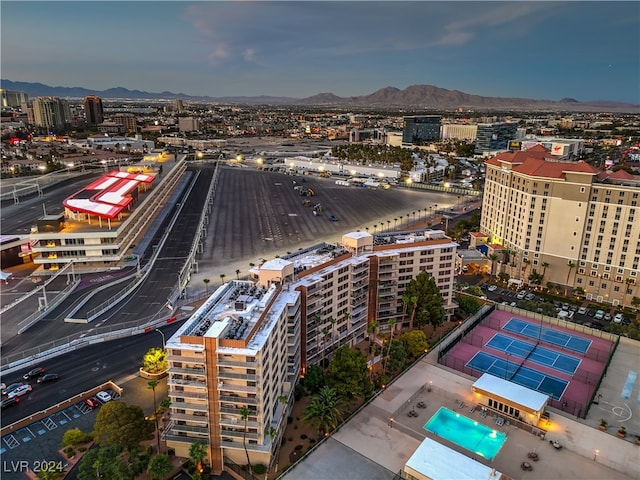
<point x="575" y="224"/>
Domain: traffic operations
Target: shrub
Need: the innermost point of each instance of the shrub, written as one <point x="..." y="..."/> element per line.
<point x="69" y="451"/>
<point x="312" y="441"/>
<point x="74" y="436"/>
<point x="303" y="436"/>
<point x="298" y="447"/>
<point x="82" y="449"/>
<point x="289" y="419"/>
<point x="290" y="439"/>
<point x="259" y="469"/>
<point x="295" y="427"/>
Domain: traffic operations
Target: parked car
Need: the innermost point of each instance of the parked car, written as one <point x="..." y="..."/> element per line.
<point x="492" y="288"/>
<point x="92" y="402"/>
<point x="582" y="310"/>
<point x="11" y="388"/>
<point x="21" y="390"/>
<point x="7" y="402"/>
<point x="599" y="315"/>
<point x="521" y="295"/>
<point x="36" y="372"/>
<point x="618" y="318"/>
<point x="530" y="296"/>
<point x="103" y="396"/>
<point x="607" y="317"/>
<point x="49" y="377"/>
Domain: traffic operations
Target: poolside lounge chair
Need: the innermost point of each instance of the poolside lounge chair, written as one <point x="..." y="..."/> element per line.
<point x="472" y="409"/>
<point x="461" y="405"/>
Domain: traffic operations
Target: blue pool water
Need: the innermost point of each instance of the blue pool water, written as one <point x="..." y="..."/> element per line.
<point x="466" y="433"/>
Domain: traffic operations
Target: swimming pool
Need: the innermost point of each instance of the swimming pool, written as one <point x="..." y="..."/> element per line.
<point x="466" y="433"/>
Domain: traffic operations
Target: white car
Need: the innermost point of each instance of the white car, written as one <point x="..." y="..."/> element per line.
<point x="104" y="397"/>
<point x="521" y="294"/>
<point x="582" y="310"/>
<point x="21" y="390"/>
<point x="618" y="318"/>
<point x="492" y="288"/>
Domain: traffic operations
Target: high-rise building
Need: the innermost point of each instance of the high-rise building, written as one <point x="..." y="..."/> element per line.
<point x="234" y="364"/>
<point x="13" y="99"/>
<point x="93" y="111"/>
<point x="128" y="120"/>
<point x="494" y="136"/>
<point x="565" y="220"/>
<point x="51" y="112"/>
<point x="421" y="128"/>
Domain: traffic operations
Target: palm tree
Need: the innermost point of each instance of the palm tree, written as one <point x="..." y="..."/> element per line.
<point x="526" y="262"/>
<point x="222" y="275"/>
<point x="571" y="265"/>
<point x="333" y="331"/>
<point x="244" y="415"/>
<point x="325" y="332"/>
<point x="395" y="223"/>
<point x="238" y="274"/>
<point x="388" y="225"/>
<point x="414" y="307"/>
<point x="387" y="346"/>
<point x="152" y="384"/>
<point x="206" y="285"/>
<point x="324" y="410"/>
<point x="159" y="467"/>
<point x="371" y="330"/>
<point x="375" y="227"/>
<point x="544" y="266"/>
<point x="197" y="453"/>
<point x="493" y="257"/>
<point x="628" y="282"/>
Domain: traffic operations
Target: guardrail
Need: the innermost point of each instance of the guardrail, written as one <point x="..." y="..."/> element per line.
<point x="38" y="315"/>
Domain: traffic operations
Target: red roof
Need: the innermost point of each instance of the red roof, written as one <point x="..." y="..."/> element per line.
<point x="107" y="196"/>
<point x="537" y="162"/>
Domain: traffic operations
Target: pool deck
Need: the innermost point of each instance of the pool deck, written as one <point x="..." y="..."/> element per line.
<point x="377" y="442"/>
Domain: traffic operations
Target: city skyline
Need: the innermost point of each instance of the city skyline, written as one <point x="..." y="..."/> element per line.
<point x="539" y="50"/>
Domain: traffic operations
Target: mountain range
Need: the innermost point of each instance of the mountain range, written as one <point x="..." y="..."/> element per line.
<point x="415" y="97"/>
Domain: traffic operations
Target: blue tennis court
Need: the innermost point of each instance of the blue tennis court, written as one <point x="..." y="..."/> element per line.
<point x="535" y="353"/>
<point x="527" y="377"/>
<point x="548" y="335"/>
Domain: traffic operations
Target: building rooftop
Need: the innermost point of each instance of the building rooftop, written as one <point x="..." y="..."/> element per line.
<point x="517" y="393"/>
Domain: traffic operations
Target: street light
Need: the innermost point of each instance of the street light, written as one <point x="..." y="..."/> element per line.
<point x="160" y="332"/>
<point x="595" y="454"/>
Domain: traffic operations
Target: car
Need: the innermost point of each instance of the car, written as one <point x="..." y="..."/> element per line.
<point x="607" y="317"/>
<point x="599" y="315"/>
<point x="21" y="390"/>
<point x="618" y="318"/>
<point x="492" y="288"/>
<point x="92" y="403"/>
<point x="103" y="396"/>
<point x="591" y="312"/>
<point x="465" y="269"/>
<point x="529" y="296"/>
<point x="521" y="295"/>
<point x="333" y="218"/>
<point x="513" y="304"/>
<point x="7" y="402"/>
<point x="11" y="388"/>
<point x="582" y="310"/>
<point x="49" y="377"/>
<point x="36" y="372"/>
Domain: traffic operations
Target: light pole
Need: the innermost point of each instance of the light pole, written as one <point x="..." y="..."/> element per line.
<point x="506" y="368"/>
<point x="595" y="454"/>
<point x="160" y="332"/>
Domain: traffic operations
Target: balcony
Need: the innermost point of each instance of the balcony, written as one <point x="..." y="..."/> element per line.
<point x="185" y="359"/>
<point x="240" y="434"/>
<point x="187" y="394"/>
<point x="235" y="399"/>
<point x="235" y="422"/>
<point x="228" y="387"/>
<point x="196" y="407"/>
<point x="239" y="376"/>
<point x="235" y="363"/>
<point x="186" y="383"/>
<point x="190" y="418"/>
<point x="189" y="429"/>
<point x="188" y="371"/>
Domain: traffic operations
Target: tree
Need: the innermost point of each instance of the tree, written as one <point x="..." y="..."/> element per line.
<point x="468" y="304"/>
<point x="222" y="275"/>
<point x="238" y="274"/>
<point x="627" y="283"/>
<point x="396" y="357"/>
<point x="535" y="278"/>
<point x="410" y="302"/>
<point x="544" y="266"/>
<point x="197" y="453"/>
<point x="429" y="308"/>
<point x="74" y="436"/>
<point x="314" y="379"/>
<point x="415" y="342"/>
<point x="526" y="262"/>
<point x="244" y="415"/>
<point x="152" y="384"/>
<point x="120" y="424"/>
<point x="503" y="277"/>
<point x="635" y="302"/>
<point x="206" y="285"/>
<point x="159" y="466"/>
<point x="155" y="360"/>
<point x="571" y="266"/>
<point x="348" y="373"/>
<point x="104" y="463"/>
<point x="387" y="350"/>
<point x="324" y="411"/>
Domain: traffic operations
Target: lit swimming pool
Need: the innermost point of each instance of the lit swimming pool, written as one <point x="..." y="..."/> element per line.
<point x="466" y="433"/>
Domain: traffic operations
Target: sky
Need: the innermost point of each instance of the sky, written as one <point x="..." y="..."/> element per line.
<point x="541" y="50"/>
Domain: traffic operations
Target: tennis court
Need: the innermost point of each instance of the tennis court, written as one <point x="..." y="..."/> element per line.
<point x="535" y="353"/>
<point x="514" y="372"/>
<point x="548" y="335"/>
